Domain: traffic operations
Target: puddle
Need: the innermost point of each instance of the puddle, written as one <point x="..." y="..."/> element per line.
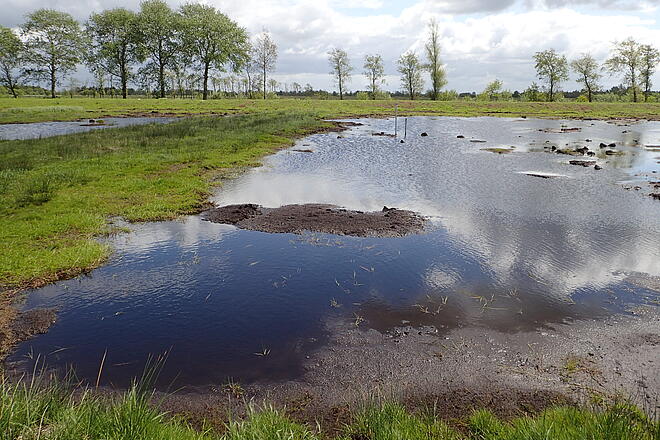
<point x="39" y="130"/>
<point x="504" y="250"/>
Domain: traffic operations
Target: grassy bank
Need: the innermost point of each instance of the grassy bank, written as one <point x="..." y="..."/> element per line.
<point x="57" y="194"/>
<point x="66" y="109"/>
<point x="52" y="412"/>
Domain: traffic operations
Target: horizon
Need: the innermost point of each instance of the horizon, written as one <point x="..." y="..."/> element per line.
<point x="481" y="40"/>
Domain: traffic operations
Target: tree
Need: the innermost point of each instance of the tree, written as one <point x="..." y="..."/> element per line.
<point x="492" y="90"/>
<point x="11" y="58"/>
<point x="411" y="74"/>
<point x="264" y="54"/>
<point x="212" y="39"/>
<point x="272" y="85"/>
<point x="341" y="69"/>
<point x="296" y="88"/>
<point x="375" y="73"/>
<point x="650" y="59"/>
<point x="553" y="68"/>
<point x="434" y="66"/>
<point x="533" y="93"/>
<point x="54" y="45"/>
<point x="158" y="32"/>
<point x="626" y="59"/>
<point x="251" y="71"/>
<point x="114" y="44"/>
<point x="586" y="67"/>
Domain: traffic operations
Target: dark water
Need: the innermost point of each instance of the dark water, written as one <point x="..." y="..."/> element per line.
<point x="38" y="130"/>
<point x="504" y="251"/>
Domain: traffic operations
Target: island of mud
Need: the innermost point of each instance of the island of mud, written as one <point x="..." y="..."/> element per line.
<point x="329" y="219"/>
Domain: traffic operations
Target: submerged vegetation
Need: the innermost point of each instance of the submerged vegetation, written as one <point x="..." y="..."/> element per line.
<point x="33" y="410"/>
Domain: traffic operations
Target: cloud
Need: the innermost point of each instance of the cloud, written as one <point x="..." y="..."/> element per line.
<point x="603" y="4"/>
<point x="481" y="39"/>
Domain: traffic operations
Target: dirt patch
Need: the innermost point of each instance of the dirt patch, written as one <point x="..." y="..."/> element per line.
<point x="16" y="327"/>
<point x="499" y="150"/>
<point x="560" y="130"/>
<point x="454" y="373"/>
<point x="542" y="175"/>
<point x="582" y="163"/>
<point x="330" y="219"/>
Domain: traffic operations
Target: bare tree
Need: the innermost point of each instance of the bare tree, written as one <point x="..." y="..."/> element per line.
<point x="553" y="68"/>
<point x="264" y="54"/>
<point x="296" y="87"/>
<point x="251" y="70"/>
<point x="411" y="74"/>
<point x="341" y="68"/>
<point x="272" y="85"/>
<point x="626" y="59"/>
<point x="375" y="73"/>
<point x="586" y="67"/>
<point x="650" y="59"/>
<point x="434" y="66"/>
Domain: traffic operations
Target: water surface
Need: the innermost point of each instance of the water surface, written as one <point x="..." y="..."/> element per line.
<point x="504" y="250"/>
<point x="37" y="130"/>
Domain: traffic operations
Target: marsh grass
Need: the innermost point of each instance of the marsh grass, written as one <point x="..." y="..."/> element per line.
<point x="53" y="410"/>
<point x="57" y="194"/>
<point x="41" y="112"/>
<point x="39" y="109"/>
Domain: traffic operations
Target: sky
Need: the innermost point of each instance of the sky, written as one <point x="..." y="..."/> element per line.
<point x="482" y="40"/>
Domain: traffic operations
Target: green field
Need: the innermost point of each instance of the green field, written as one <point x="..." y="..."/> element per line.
<point x="66" y="109"/>
<point x="58" y="194"/>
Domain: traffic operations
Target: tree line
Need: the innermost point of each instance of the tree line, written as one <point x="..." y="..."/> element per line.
<point x="163" y="49"/>
<point x="151" y="46"/>
<point x="409" y="66"/>
<point x="635" y="63"/>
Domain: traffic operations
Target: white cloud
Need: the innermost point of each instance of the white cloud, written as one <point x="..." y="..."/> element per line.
<point x="486" y="39"/>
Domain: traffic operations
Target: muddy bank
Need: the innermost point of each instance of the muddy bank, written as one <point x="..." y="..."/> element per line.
<point x="16" y="327"/>
<point x="463" y="370"/>
<point x="330" y="219"/>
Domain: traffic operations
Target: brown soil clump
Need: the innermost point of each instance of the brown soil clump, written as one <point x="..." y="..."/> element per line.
<point x="16" y="327"/>
<point x="296" y="219"/>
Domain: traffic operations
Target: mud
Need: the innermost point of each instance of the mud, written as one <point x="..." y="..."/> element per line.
<point x="457" y="372"/>
<point x="297" y="219"/>
<point x="16" y="327"/>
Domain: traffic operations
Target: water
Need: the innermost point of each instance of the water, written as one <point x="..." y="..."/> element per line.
<point x="38" y="130"/>
<point x="503" y="251"/>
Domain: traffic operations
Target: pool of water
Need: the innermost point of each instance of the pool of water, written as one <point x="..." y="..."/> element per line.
<point x="503" y="250"/>
<point x="37" y="130"/>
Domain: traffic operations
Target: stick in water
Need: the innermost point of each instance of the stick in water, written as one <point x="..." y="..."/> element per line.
<point x="98" y="378"/>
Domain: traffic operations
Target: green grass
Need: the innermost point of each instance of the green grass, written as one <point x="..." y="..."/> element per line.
<point x="31" y="411"/>
<point x="66" y="109"/>
<point x="57" y="194"/>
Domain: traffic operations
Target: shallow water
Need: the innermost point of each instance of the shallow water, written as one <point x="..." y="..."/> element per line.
<point x="37" y="130"/>
<point x="504" y="251"/>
